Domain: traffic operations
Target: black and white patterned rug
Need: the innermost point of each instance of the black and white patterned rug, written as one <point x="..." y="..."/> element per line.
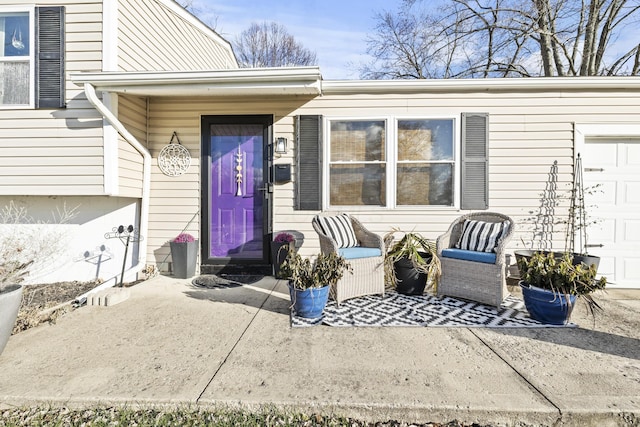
<point x="422" y="310"/>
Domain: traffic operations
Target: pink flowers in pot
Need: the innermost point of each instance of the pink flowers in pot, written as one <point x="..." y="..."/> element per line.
<point x="284" y="238"/>
<point x="184" y="238"/>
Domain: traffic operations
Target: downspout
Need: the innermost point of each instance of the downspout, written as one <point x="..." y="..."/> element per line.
<point x="92" y="96"/>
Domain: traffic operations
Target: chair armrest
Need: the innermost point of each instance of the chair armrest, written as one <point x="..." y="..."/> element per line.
<point x="449" y="238"/>
<point x="366" y="238"/>
<point x="502" y="244"/>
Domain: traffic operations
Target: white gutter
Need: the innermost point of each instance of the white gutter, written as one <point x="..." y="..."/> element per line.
<point x="93" y="98"/>
<point x="335" y="87"/>
<point x="245" y="81"/>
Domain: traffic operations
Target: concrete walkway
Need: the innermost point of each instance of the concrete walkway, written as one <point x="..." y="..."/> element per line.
<point x="172" y="342"/>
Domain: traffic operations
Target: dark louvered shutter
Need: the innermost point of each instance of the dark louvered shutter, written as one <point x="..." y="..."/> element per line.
<point x="309" y="163"/>
<point x="50" y="57"/>
<point x="475" y="161"/>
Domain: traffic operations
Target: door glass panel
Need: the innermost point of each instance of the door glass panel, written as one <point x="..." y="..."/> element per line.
<point x="236" y="203"/>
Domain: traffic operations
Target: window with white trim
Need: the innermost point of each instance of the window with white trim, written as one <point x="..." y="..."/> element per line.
<point x="357" y="163"/>
<point x="391" y="163"/>
<point x="16" y="57"/>
<point x="425" y="162"/>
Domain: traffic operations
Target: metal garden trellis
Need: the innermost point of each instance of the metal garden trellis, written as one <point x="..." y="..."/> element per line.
<point x="126" y="236"/>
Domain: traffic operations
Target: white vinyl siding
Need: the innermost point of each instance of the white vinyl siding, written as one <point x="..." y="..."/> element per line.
<point x="59" y="151"/>
<point x="528" y="132"/>
<point x="133" y="115"/>
<point x="154" y="38"/>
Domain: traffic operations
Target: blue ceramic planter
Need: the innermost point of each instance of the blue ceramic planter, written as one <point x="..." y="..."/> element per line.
<point x="309" y="303"/>
<point x="546" y="306"/>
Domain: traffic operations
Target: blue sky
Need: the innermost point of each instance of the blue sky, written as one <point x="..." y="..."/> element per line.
<point x="335" y="29"/>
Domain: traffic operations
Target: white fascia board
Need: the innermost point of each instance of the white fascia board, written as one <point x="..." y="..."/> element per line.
<point x="336" y="87"/>
<point x="246" y="81"/>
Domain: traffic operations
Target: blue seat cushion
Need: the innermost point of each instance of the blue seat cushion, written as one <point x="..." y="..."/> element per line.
<point x="486" y="257"/>
<point x="359" y="252"/>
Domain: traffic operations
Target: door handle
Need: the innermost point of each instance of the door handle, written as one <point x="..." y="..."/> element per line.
<point x="268" y="188"/>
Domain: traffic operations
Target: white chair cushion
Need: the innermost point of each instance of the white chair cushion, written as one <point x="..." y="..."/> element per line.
<point x="339" y="228"/>
<point x="481" y="236"/>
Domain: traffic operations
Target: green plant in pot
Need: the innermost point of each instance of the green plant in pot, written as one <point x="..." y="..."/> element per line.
<point x="575" y="224"/>
<point x="310" y="280"/>
<point x="411" y="262"/>
<point x="551" y="285"/>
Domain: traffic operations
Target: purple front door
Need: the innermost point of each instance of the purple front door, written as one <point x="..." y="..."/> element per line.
<point x="236" y="208"/>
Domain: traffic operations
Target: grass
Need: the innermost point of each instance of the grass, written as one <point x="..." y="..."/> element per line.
<point x="114" y="416"/>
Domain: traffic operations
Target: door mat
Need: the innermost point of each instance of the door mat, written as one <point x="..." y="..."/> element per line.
<point x="422" y="310"/>
<point x="215" y="281"/>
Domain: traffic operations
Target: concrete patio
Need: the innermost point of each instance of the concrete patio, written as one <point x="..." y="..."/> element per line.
<point x="172" y="342"/>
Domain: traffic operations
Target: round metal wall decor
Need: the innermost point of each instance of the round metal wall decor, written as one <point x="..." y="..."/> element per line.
<point x="174" y="159"/>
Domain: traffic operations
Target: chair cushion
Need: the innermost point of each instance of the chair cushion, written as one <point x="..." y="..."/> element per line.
<point x="481" y="236"/>
<point x="359" y="252"/>
<point x="339" y="228"/>
<point x="486" y="257"/>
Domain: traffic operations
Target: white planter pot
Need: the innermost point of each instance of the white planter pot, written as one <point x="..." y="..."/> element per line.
<point x="10" y="300"/>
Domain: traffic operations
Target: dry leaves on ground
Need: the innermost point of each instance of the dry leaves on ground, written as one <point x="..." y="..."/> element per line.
<point x="47" y="302"/>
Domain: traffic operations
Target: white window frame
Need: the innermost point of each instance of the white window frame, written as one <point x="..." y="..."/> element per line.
<point x="391" y="163"/>
<point x="32" y="56"/>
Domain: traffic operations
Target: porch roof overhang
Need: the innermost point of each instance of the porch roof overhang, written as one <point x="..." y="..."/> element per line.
<point x="234" y="82"/>
<point x="308" y="81"/>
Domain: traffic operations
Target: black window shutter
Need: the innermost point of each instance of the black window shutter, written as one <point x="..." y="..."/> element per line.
<point x="309" y="163"/>
<point x="50" y="57"/>
<point x="475" y="161"/>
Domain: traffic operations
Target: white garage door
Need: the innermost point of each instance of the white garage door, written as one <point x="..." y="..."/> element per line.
<point x="615" y="164"/>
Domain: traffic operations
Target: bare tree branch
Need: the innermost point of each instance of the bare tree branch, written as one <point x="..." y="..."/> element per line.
<point x="270" y="45"/>
<point x="504" y="38"/>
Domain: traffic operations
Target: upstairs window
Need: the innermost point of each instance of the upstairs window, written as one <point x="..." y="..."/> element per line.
<point x="16" y="58"/>
<point x="32" y="57"/>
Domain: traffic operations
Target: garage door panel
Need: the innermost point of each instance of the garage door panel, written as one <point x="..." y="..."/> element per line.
<point x="603" y="231"/>
<point x="632" y="192"/>
<point x="632" y="155"/>
<point x="601" y="155"/>
<point x="604" y="194"/>
<point x="631" y="233"/>
<point x="613" y="166"/>
<point x="607" y="266"/>
<point x="631" y="270"/>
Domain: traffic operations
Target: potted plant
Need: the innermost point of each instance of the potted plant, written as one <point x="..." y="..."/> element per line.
<point x="26" y="246"/>
<point x="184" y="254"/>
<point x="551" y="285"/>
<point x="281" y="245"/>
<point x="576" y="222"/>
<point x="310" y="280"/>
<point x="411" y="262"/>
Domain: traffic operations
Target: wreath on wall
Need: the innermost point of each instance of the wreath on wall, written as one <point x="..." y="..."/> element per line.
<point x="174" y="159"/>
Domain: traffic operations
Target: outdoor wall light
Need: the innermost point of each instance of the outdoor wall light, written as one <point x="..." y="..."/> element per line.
<point x="281" y="145"/>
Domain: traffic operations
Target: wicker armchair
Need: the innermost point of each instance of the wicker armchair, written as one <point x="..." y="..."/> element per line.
<point x="368" y="272"/>
<point x="474" y="280"/>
